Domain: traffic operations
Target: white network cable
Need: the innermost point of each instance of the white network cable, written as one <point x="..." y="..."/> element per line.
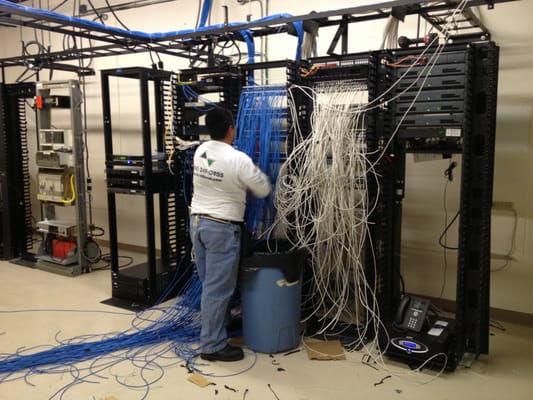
<point x="322" y="199"/>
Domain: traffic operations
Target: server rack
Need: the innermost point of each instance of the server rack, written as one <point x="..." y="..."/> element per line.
<point x="353" y="68"/>
<point x="60" y="157"/>
<point x="191" y="89"/>
<point x="454" y="113"/>
<point x="145" y="175"/>
<point x="221" y="86"/>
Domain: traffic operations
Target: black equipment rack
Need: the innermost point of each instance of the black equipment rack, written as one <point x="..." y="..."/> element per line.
<point x="448" y="107"/>
<point x="144" y="175"/>
<point x="221" y="86"/>
<point x="451" y="109"/>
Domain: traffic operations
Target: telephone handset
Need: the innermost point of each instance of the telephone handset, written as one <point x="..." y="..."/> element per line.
<point x="411" y="313"/>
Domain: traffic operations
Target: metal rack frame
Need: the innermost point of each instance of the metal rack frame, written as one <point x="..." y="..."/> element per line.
<point x="45" y="120"/>
<point x="475" y="143"/>
<point x="109" y="42"/>
<point x="143" y="284"/>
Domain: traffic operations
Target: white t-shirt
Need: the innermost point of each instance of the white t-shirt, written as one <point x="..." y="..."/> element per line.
<point x="222" y="175"/>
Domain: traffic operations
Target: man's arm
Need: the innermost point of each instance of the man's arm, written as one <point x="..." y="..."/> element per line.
<point x="255" y="180"/>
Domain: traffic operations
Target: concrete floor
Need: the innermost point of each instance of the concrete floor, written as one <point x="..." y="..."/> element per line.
<point x="37" y="308"/>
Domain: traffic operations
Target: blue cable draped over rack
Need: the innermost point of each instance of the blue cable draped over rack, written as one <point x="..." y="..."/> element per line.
<point x="154" y="36"/>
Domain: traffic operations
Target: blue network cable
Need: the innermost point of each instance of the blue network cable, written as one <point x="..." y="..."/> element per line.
<point x="260" y="134"/>
<point x="206" y="9"/>
<point x="154" y="334"/>
<point x="38" y="13"/>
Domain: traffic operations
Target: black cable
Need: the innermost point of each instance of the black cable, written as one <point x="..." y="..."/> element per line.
<point x="107" y="259"/>
<point x="116" y="16"/>
<point x="228" y="44"/>
<point x="497" y="325"/>
<point x="98" y="15"/>
<point x="448" y="173"/>
<point x="443" y="234"/>
<point x="151" y="57"/>
<point x="272" y="390"/>
<point x="18" y="79"/>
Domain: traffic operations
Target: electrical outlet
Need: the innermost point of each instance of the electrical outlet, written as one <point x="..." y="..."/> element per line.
<point x="503" y="205"/>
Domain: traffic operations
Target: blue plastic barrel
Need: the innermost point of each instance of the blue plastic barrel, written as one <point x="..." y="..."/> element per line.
<point x="271" y="290"/>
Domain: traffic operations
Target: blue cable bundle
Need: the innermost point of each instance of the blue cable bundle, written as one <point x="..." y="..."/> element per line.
<point x="191" y="96"/>
<point x="260" y="134"/>
<point x="154" y="333"/>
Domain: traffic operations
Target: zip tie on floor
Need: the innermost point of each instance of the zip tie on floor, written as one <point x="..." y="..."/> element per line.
<point x="230" y="388"/>
<point x="272" y="390"/>
<point x="382" y="380"/>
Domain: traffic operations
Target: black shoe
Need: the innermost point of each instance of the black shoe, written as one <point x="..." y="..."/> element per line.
<point x="228" y="353"/>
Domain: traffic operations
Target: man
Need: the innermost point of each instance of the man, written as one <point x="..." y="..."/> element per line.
<point x="222" y="176"/>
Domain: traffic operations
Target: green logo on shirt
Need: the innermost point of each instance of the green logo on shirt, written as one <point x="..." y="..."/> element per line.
<point x="208" y="160"/>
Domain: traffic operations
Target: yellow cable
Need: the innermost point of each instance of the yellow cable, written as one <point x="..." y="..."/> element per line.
<point x="183" y="83"/>
<point x="73" y="189"/>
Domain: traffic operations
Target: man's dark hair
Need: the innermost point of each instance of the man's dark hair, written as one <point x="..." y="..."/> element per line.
<point x="218" y="120"/>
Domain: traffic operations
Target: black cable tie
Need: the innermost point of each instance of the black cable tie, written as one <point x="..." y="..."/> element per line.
<point x="281" y="369"/>
<point x="381" y="381"/>
<point x="244" y="395"/>
<point x="188" y="367"/>
<point x="272" y="390"/>
<point x="274" y="362"/>
<point x="230" y="388"/>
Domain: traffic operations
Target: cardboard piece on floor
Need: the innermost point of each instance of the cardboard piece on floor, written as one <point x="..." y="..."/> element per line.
<point x="198" y="380"/>
<point x="330" y="350"/>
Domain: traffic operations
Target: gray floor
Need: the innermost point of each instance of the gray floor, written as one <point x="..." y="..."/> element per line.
<point x="38" y="308"/>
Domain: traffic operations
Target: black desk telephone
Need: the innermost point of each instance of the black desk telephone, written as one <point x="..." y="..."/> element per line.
<point x="411" y="313"/>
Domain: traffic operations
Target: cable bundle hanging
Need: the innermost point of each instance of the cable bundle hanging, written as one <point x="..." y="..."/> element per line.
<point x="322" y="199"/>
<point x="260" y="124"/>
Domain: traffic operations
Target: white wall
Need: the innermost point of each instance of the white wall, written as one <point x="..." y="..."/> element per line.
<point x="422" y="257"/>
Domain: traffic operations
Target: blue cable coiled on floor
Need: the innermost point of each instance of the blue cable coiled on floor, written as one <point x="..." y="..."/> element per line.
<point x="178" y="326"/>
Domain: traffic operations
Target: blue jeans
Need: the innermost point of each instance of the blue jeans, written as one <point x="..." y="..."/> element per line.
<point x="217" y="249"/>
